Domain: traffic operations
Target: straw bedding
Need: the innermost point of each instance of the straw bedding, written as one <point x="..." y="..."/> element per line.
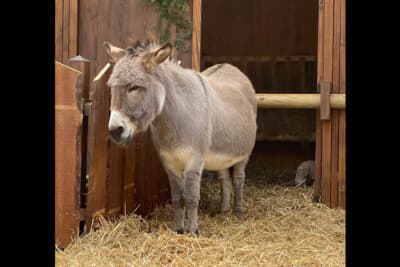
<point x="282" y="227"/>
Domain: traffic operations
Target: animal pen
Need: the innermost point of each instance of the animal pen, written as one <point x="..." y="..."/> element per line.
<point x="292" y="51"/>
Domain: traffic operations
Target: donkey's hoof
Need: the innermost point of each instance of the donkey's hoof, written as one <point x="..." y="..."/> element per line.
<point x="178" y="230"/>
<point x="194" y="233"/>
<point x="239" y="213"/>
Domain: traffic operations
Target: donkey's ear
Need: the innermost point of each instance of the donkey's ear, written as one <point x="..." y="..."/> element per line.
<point x="156" y="57"/>
<point x="114" y="52"/>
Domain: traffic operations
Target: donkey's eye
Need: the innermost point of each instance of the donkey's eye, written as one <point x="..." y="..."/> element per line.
<point x="133" y="88"/>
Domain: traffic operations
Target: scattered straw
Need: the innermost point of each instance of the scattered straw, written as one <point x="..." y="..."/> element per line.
<point x="282" y="227"/>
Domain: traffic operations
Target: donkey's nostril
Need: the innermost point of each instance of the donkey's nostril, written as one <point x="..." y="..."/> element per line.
<point x="116" y="132"/>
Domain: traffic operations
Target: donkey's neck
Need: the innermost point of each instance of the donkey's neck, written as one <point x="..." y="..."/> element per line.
<point x="183" y="97"/>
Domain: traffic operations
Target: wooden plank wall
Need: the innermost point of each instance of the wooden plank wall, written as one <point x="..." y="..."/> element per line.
<point x="120" y="180"/>
<point x="130" y="179"/>
<point x="119" y="22"/>
<point x="275" y="44"/>
<point x="330" y="144"/>
<point x="68" y="127"/>
<point x="66" y="31"/>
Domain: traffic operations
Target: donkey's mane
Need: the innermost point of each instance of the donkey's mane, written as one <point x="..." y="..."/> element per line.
<point x="138" y="49"/>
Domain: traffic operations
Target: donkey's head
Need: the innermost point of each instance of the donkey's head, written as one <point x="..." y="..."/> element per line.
<point x="137" y="98"/>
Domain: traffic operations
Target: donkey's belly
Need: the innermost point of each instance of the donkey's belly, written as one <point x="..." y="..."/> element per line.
<point x="177" y="159"/>
<point x="215" y="161"/>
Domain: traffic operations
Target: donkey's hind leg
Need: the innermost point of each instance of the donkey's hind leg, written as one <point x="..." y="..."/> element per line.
<point x="238" y="182"/>
<point x="226" y="189"/>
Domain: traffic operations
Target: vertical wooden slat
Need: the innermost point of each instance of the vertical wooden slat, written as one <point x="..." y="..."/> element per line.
<point x="66" y="31"/>
<point x="342" y="114"/>
<point x="334" y="158"/>
<point x="128" y="190"/>
<point x="115" y="165"/>
<point x="58" y="30"/>
<point x="258" y="73"/>
<point x="97" y="146"/>
<point x="327" y="125"/>
<point x="73" y="28"/>
<point x="66" y="27"/>
<point x="326" y="162"/>
<point x="302" y="70"/>
<point x="140" y="173"/>
<point x="273" y="73"/>
<point x="335" y="113"/>
<point x="68" y="124"/>
<point x="318" y="129"/>
<point x="196" y="35"/>
<point x="288" y="73"/>
<point x="318" y="156"/>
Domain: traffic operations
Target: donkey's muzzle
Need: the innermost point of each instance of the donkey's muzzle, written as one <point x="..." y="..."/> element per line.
<point x="116" y="132"/>
<point x="119" y="128"/>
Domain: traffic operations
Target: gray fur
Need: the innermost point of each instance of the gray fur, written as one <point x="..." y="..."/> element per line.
<point x="304" y="170"/>
<point x="197" y="120"/>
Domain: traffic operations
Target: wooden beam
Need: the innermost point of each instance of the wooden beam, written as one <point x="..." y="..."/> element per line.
<point x="337" y="101"/>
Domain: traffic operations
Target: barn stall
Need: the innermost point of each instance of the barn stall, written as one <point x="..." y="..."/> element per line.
<point x="294" y="54"/>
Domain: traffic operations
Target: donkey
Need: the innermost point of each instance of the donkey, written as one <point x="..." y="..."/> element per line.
<point x="197" y="121"/>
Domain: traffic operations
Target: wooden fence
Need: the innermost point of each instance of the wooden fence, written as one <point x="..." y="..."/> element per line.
<point x="272" y="73"/>
<point x="68" y="138"/>
<point x="120" y="180"/>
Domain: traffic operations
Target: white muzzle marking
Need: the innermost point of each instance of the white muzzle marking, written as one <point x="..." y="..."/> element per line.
<point x="118" y="119"/>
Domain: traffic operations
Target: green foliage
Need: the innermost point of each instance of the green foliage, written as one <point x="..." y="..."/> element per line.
<point x="173" y="12"/>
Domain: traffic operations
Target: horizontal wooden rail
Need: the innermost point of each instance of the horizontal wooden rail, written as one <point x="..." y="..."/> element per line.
<point x="337" y="101"/>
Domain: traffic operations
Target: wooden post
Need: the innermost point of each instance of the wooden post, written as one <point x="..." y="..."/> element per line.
<point x="330" y="140"/>
<point x="196" y="35"/>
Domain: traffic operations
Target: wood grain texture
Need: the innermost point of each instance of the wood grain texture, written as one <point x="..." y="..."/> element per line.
<point x="330" y="153"/>
<point x="196" y="34"/>
<point x="98" y="147"/>
<point x="327" y="125"/>
<point x="318" y="129"/>
<point x="325" y="108"/>
<point x="299" y="101"/>
<point x="58" y="27"/>
<point x="122" y="23"/>
<point x="335" y="114"/>
<point x="68" y="126"/>
<point x="342" y="114"/>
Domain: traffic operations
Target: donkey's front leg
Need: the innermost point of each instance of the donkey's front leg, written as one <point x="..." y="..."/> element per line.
<point x="176" y="185"/>
<point x="191" y="193"/>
